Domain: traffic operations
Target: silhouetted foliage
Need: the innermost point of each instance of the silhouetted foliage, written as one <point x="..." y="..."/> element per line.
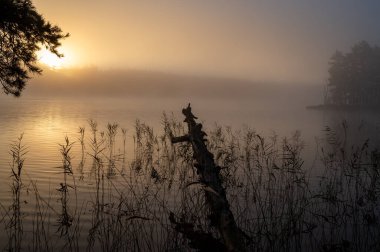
<point x="355" y="77"/>
<point x="22" y="33"/>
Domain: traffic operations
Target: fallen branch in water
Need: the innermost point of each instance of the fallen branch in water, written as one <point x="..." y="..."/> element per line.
<point x="209" y="173"/>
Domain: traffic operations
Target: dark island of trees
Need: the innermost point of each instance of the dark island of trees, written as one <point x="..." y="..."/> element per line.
<point x="354" y="79"/>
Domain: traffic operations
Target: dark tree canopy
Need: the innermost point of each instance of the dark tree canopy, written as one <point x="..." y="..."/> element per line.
<point x="354" y="78"/>
<point x="23" y="31"/>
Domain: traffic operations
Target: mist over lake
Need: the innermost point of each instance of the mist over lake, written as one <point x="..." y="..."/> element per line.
<point x="46" y="117"/>
<point x="58" y="103"/>
<point x="189" y="126"/>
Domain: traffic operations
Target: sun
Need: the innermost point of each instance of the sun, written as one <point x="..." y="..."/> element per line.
<point x="48" y="58"/>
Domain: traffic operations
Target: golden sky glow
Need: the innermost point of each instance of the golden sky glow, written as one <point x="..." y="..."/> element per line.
<point x="283" y="41"/>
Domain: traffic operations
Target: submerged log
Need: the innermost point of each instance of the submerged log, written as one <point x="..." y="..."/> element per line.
<point x="209" y="175"/>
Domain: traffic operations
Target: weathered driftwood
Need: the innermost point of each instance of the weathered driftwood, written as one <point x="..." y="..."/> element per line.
<point x="209" y="174"/>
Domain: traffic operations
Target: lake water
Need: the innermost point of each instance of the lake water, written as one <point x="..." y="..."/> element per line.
<point x="46" y="122"/>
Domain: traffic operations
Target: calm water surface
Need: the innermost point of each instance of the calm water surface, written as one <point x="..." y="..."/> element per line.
<point x="45" y="123"/>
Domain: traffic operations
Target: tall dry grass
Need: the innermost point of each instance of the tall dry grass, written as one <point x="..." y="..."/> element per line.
<point x="278" y="204"/>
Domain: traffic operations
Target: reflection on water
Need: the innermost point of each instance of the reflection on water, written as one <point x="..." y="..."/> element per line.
<point x="356" y="126"/>
<point x="45" y="124"/>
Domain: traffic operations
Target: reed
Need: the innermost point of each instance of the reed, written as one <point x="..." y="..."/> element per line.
<point x="83" y="152"/>
<point x="128" y="200"/>
<point x="14" y="227"/>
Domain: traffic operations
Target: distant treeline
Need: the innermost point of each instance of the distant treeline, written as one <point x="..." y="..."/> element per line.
<point x="92" y="82"/>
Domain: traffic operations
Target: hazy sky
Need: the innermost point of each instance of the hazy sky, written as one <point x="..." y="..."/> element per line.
<point x="282" y="41"/>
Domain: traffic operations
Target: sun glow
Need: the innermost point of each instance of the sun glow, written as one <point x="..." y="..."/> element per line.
<point x="53" y="61"/>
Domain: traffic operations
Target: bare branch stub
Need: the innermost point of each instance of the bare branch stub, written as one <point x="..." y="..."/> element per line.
<point x="209" y="175"/>
<point x="180" y="139"/>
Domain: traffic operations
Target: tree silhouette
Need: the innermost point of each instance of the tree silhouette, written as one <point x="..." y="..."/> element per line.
<point x="338" y="78"/>
<point x="355" y="77"/>
<point x="23" y="31"/>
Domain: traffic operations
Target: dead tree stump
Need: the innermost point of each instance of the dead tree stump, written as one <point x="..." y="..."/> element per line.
<point x="209" y="175"/>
